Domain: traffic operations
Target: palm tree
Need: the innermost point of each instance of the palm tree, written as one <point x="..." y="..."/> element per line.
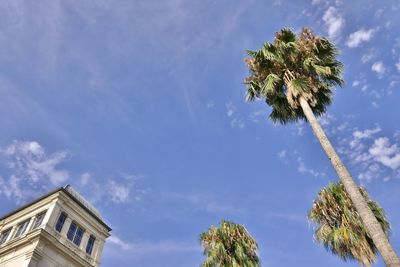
<point x="340" y="228"/>
<point x="229" y="245"/>
<point x="295" y="76"/>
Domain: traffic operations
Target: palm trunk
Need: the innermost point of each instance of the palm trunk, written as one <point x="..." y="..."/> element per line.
<point x="372" y="225"/>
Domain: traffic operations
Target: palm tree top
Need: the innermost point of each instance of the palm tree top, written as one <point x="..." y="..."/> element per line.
<point x="292" y="67"/>
<point x="229" y="245"/>
<point x="339" y="226"/>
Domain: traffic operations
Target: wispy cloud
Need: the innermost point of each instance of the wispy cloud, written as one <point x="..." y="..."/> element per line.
<point x="121" y="189"/>
<point x="32" y="170"/>
<point x="374" y="157"/>
<point x="235" y="120"/>
<point x="367" y="57"/>
<point x="303" y="169"/>
<point x="151" y="247"/>
<point x="282" y="154"/>
<point x="361" y="36"/>
<point x="398" y="65"/>
<point x="334" y="22"/>
<point x="379" y="68"/>
<point x="368" y="133"/>
<point x="230" y="109"/>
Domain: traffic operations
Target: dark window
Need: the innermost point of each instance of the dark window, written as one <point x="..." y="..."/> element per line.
<point x="72" y="231"/>
<point x="61" y="221"/>
<point x="78" y="236"/>
<point x="4" y="235"/>
<point x="38" y="220"/>
<point x="90" y="244"/>
<point x="75" y="233"/>
<point x="21" y="228"/>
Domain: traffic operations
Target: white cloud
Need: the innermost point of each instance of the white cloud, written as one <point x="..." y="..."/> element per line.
<point x="32" y="170"/>
<point x="122" y="189"/>
<point x="85" y="178"/>
<point x="379" y="68"/>
<point x="356" y="83"/>
<point x="282" y="154"/>
<point x="367" y="57"/>
<point x="298" y="128"/>
<point x="386" y="153"/>
<point x="334" y="22"/>
<point x="237" y="122"/>
<point x="119" y="193"/>
<point x="373" y="157"/>
<point x="355" y="143"/>
<point x="230" y="109"/>
<point x="210" y="104"/>
<point x="255" y="116"/>
<point x="372" y="172"/>
<point x="368" y="133"/>
<point x="326" y="119"/>
<point x="398" y="65"/>
<point x="357" y="38"/>
<point x="302" y="168"/>
<point x="113" y="239"/>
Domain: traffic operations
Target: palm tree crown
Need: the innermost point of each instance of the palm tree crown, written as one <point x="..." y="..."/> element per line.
<point x="229" y="245"/>
<point x="340" y="228"/>
<point x="291" y="67"/>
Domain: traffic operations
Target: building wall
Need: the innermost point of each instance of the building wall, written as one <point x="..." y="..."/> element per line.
<point x="44" y="246"/>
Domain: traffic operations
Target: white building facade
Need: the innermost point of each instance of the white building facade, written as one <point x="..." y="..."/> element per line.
<point x="60" y="229"/>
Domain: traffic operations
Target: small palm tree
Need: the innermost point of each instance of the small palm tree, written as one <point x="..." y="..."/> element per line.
<point x="295" y="76"/>
<point x="229" y="245"/>
<point x="339" y="227"/>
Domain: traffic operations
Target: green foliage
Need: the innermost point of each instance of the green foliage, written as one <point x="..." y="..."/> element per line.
<point x="292" y="67"/>
<point x="229" y="245"/>
<point x="339" y="227"/>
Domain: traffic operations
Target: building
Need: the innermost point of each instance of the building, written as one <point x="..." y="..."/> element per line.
<point x="60" y="229"/>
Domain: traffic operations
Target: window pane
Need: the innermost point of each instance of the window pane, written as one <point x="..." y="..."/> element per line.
<point x="21" y="228"/>
<point x="61" y="221"/>
<point x="38" y="220"/>
<point x="71" y="231"/>
<point x="78" y="236"/>
<point x="4" y="235"/>
<point x="90" y="245"/>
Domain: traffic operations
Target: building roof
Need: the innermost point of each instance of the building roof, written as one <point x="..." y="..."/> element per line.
<point x="75" y="196"/>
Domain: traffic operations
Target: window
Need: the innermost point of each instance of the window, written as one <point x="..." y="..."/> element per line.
<point x="90" y="244"/>
<point x="21" y="228"/>
<point x="61" y="221"/>
<point x="4" y="235"/>
<point x="75" y="233"/>
<point x="38" y="220"/>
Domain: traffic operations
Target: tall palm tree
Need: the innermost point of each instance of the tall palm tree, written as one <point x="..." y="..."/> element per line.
<point x="295" y="76"/>
<point x="229" y="245"/>
<point x="340" y="228"/>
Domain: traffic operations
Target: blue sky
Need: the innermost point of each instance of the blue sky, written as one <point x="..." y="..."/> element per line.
<point x="140" y="106"/>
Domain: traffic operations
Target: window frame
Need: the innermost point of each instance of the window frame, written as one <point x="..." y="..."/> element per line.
<point x="75" y="235"/>
<point x="61" y="223"/>
<point x="90" y="245"/>
<point x="4" y="235"/>
<point x="37" y="219"/>
<point x="23" y="225"/>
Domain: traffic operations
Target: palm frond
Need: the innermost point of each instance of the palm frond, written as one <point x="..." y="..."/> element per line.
<point x="229" y="244"/>
<point x="339" y="227"/>
<point x="296" y="66"/>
